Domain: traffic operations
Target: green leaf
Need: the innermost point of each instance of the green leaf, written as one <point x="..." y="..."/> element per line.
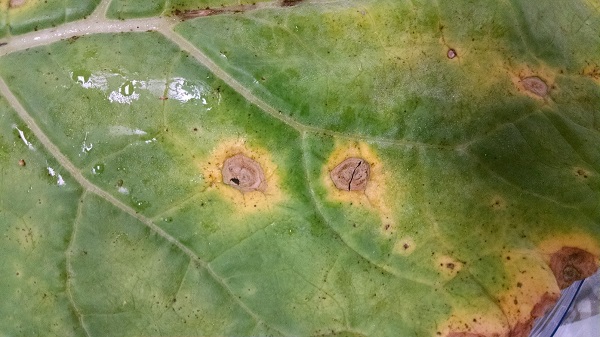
<point x="22" y="16"/>
<point x="472" y="125"/>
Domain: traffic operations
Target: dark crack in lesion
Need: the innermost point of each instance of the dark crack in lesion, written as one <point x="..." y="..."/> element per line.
<point x="198" y="13"/>
<point x="352" y="174"/>
<point x="352" y="177"/>
<point x="187" y="14"/>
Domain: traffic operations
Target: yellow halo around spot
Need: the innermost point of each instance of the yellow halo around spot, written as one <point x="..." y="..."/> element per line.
<point x="212" y="166"/>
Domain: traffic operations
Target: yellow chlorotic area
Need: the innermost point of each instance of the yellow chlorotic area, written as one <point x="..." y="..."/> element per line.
<point x="480" y="319"/>
<point x="374" y="195"/>
<point x="592" y="71"/>
<point x="530" y="281"/>
<point x="582" y="241"/>
<point x="253" y="201"/>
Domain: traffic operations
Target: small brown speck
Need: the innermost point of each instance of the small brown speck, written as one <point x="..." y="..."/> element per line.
<point x="22" y="162"/>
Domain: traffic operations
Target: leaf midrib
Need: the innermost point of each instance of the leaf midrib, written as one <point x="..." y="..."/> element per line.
<point x="97" y="23"/>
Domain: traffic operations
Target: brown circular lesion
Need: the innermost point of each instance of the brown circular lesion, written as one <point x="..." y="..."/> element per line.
<point x="570" y="264"/>
<point x="243" y="174"/>
<point x="352" y="174"/>
<point x="451" y="53"/>
<point x="535" y="85"/>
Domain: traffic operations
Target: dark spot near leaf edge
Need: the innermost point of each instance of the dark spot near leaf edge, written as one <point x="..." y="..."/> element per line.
<point x="570" y="264"/>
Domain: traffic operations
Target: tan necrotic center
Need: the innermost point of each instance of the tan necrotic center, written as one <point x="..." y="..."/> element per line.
<point x="352" y="174"/>
<point x="244" y="174"/>
<point x="535" y="85"/>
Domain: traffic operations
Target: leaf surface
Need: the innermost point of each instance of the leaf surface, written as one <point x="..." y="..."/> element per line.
<point x="477" y="123"/>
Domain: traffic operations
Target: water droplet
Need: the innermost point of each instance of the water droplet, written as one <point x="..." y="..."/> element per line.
<point x="98" y="168"/>
<point x="85" y="147"/>
<point x="140" y="204"/>
<point x="81" y="76"/>
<point x="127" y="89"/>
<point x="20" y="134"/>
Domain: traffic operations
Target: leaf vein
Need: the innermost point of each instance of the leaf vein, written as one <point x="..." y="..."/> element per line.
<point x="188" y="47"/>
<point x="70" y="272"/>
<point x="90" y="187"/>
<point x="321" y="215"/>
